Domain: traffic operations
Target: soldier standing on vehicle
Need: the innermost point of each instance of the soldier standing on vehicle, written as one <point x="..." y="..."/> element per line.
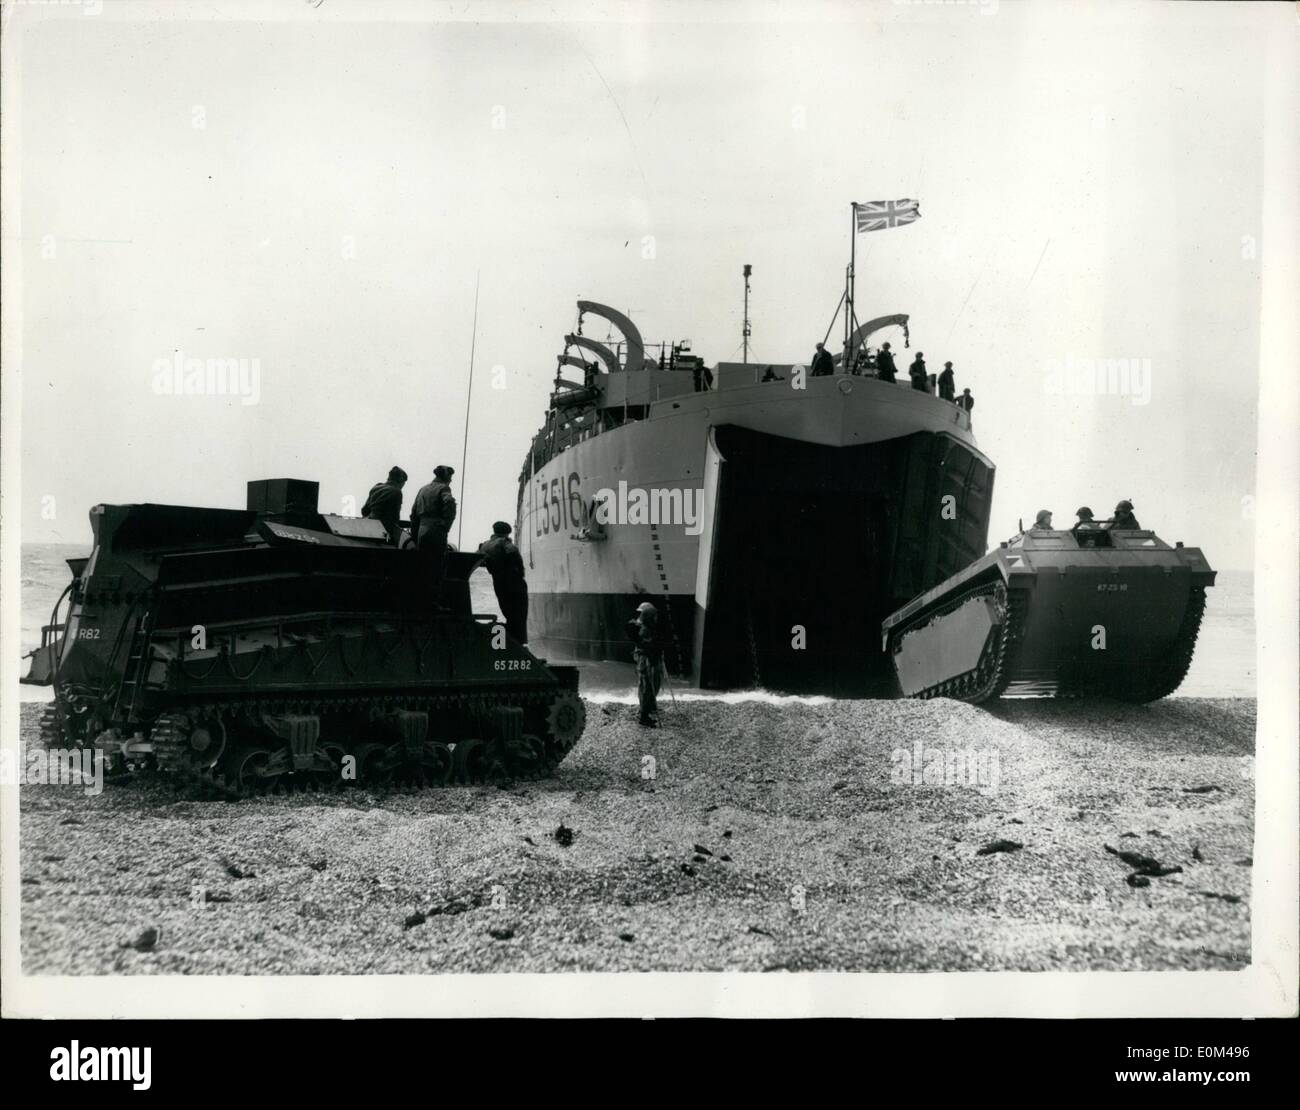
<point x="431" y="520"/>
<point x="506" y="565"/>
<point x="384" y="504"/>
<point x="966" y="401"/>
<point x="822" y="363"/>
<point x="643" y="630"/>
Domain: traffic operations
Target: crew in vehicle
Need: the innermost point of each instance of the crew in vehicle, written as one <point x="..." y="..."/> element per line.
<point x="1043" y="519"/>
<point x="1123" y="518"/>
<point x="1085" y="523"/>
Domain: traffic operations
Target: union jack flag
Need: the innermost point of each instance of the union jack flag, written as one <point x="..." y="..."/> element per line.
<point x="878" y="214"/>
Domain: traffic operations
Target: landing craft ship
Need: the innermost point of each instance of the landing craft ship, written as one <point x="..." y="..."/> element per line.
<point x="280" y="646"/>
<point x="821" y="504"/>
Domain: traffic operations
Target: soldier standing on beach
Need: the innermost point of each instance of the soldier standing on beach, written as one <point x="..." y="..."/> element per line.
<point x="643" y="630"/>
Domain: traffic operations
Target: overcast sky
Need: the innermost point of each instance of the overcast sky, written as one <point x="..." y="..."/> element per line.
<point x="318" y="189"/>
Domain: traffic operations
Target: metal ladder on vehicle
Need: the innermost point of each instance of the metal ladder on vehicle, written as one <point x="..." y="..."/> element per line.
<point x="138" y="662"/>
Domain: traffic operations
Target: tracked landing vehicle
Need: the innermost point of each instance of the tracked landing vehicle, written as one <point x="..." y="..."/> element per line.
<point x="1096" y="613"/>
<point x="278" y="645"/>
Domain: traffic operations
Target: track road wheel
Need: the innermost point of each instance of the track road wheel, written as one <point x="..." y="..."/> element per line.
<point x="436" y="762"/>
<point x="207" y="743"/>
<point x="371" y="766"/>
<point x="249" y="771"/>
<point x="528" y="757"/>
<point x="334" y="752"/>
<point x="472" y="760"/>
<point x="565" y="720"/>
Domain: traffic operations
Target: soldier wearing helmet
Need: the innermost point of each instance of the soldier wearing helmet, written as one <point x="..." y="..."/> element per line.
<point x="647" y="650"/>
<point x="1124" y="518"/>
<point x="1085" y="523"/>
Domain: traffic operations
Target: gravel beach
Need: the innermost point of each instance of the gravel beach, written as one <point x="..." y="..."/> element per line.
<point x="768" y="834"/>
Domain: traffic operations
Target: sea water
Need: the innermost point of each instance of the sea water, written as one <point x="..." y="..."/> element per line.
<point x="1223" y="667"/>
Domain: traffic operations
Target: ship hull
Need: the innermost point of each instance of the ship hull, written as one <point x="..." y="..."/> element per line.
<point x="815" y="516"/>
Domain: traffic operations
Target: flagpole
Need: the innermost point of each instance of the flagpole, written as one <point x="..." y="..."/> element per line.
<point x="848" y="295"/>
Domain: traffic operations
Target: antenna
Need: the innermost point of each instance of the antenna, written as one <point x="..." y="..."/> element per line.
<point x="469" y="396"/>
<point x="745" y="331"/>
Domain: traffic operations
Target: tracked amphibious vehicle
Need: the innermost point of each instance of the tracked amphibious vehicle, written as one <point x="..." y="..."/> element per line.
<point x="1097" y="613"/>
<point x="277" y="645"/>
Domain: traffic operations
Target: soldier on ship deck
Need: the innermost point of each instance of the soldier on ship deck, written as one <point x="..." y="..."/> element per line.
<point x="947" y="385"/>
<point x="885" y="369"/>
<point x="822" y="363"/>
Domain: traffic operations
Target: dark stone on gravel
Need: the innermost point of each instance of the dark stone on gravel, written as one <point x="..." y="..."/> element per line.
<point x="760" y="932"/>
<point x="1196" y="853"/>
<point x="1144" y="865"/>
<point x="146" y="940"/>
<point x="1200" y="789"/>
<point x="1232" y="898"/>
<point x="501" y="934"/>
<point x="216" y="896"/>
<point x="563" y="836"/>
<point x="1124" y="836"/>
<point x="701" y="849"/>
<point x="726" y="833"/>
<point x="71" y="821"/>
<point x="318" y="864"/>
<point x="1137" y="879"/>
<point x="999" y="846"/>
<point x="626" y="936"/>
<point x="725" y="859"/>
<point x="698" y="859"/>
<point x="414" y="919"/>
<point x="1016" y="821"/>
<point x="1249" y="861"/>
<point x="238" y="873"/>
<point x="687" y="869"/>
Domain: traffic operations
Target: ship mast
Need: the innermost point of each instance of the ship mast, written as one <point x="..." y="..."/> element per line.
<point x="849" y="319"/>
<point x="745" y="330"/>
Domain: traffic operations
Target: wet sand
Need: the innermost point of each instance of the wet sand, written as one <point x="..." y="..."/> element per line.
<point x="772" y="836"/>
